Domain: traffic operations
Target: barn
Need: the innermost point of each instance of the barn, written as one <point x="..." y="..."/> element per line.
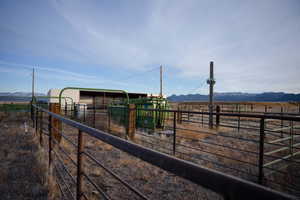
<point x="92" y="98"/>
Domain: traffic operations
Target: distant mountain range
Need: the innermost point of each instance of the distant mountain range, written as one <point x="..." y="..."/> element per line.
<point x="20" y="94"/>
<point x="17" y="96"/>
<point x="228" y="96"/>
<point x="239" y="96"/>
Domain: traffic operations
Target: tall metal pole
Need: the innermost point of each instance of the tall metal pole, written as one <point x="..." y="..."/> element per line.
<point x="211" y="83"/>
<point x="161" y="94"/>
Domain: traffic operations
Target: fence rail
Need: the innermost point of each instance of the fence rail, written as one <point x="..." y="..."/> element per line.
<point x="228" y="186"/>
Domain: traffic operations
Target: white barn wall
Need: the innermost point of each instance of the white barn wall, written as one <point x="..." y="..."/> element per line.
<point x="74" y="94"/>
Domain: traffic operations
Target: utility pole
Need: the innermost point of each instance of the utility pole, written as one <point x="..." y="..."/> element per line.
<point x="161" y="93"/>
<point x="211" y="81"/>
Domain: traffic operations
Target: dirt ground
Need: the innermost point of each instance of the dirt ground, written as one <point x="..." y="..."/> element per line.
<point x="21" y="174"/>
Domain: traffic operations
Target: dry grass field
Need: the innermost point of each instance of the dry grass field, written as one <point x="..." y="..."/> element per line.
<point x="22" y="175"/>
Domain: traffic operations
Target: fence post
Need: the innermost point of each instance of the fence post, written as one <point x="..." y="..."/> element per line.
<point x="36" y="121"/>
<point x="281" y="123"/>
<point x="56" y="125"/>
<point x="179" y="116"/>
<point x="108" y="119"/>
<point x="174" y="134"/>
<point x="66" y="108"/>
<point x="94" y="116"/>
<point x="31" y="111"/>
<point x="80" y="149"/>
<point x="218" y="116"/>
<point x="261" y="151"/>
<point x="50" y="140"/>
<point x="131" y="121"/>
<point x="33" y="116"/>
<point x="266" y="109"/>
<point x="202" y="117"/>
<point x="76" y="108"/>
<point x="84" y="112"/>
<point x="41" y="128"/>
<point x="239" y="118"/>
<point x="291" y="137"/>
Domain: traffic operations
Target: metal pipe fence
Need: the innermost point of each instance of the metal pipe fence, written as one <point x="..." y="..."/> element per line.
<point x="73" y="178"/>
<point x="234" y="122"/>
<point x="257" y="147"/>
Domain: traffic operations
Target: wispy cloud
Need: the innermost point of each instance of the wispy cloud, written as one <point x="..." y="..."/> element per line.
<point x="54" y="73"/>
<point x="253" y="50"/>
<point x="48" y="69"/>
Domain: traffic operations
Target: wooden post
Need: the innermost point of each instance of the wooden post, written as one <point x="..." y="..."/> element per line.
<point x="41" y="128"/>
<point x="281" y="124"/>
<point x="218" y="109"/>
<point x="239" y="118"/>
<point x="80" y="149"/>
<point x="84" y="107"/>
<point x="174" y="134"/>
<point x="179" y="116"/>
<point x="131" y="121"/>
<point x="56" y="124"/>
<point x="266" y="109"/>
<point x="50" y="140"/>
<point x="36" y="120"/>
<point x="108" y="120"/>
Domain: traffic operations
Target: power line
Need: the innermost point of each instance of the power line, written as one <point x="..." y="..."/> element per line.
<point x="140" y="73"/>
<point x="199" y="87"/>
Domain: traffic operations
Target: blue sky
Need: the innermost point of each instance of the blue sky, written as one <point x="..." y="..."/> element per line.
<point x="254" y="44"/>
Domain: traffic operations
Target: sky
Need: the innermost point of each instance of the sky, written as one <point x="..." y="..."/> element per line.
<point x="120" y="44"/>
